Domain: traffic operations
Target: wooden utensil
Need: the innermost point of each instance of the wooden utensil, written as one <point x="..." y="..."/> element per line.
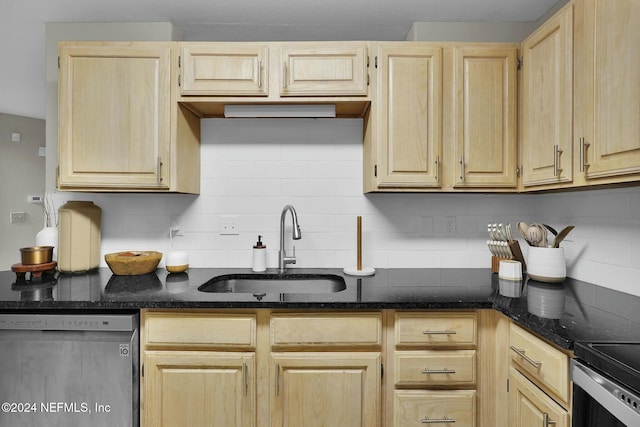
<point x="561" y="235"/>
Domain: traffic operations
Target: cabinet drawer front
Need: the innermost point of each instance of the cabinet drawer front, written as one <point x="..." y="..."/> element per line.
<point x="426" y="368"/>
<point x="435" y="329"/>
<point x="416" y="408"/>
<point x="331" y="329"/>
<point x="200" y="330"/>
<point x="541" y="361"/>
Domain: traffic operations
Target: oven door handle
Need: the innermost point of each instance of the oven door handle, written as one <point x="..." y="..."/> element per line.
<point x="607" y="393"/>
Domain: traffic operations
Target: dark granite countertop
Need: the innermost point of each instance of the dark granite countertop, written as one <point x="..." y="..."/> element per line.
<point x="562" y="313"/>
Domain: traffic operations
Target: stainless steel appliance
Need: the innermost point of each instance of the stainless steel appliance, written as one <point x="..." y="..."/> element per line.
<point x="69" y="369"/>
<point x="606" y="384"/>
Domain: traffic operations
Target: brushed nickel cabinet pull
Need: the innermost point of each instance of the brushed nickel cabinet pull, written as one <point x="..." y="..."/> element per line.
<point x="546" y="422"/>
<point x="583" y="154"/>
<point x="428" y="371"/>
<point x="445" y="332"/>
<point x="277" y="379"/>
<point x="259" y="73"/>
<point x="445" y="420"/>
<point x="462" y="173"/>
<point x="284" y="75"/>
<point x="245" y="378"/>
<point x="159" y="170"/>
<point x="437" y="169"/>
<point x="556" y="160"/>
<point x="529" y="360"/>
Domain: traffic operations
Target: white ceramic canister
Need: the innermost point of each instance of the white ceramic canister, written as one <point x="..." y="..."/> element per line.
<point x="79" y="236"/>
<point x="177" y="262"/>
<point x="546" y="264"/>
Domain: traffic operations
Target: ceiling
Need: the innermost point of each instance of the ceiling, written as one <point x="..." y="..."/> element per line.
<point x="22" y="24"/>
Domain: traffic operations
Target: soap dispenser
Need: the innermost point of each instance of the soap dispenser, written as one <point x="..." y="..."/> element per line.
<point x="259" y="256"/>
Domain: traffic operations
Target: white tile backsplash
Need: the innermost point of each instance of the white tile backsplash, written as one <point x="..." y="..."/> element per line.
<point x="254" y="167"/>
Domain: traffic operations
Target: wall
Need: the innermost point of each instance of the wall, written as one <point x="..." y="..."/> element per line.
<point x="21" y="174"/>
<point x="252" y="168"/>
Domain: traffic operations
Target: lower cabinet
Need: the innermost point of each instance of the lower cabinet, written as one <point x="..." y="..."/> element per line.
<point x="326" y="389"/>
<point x="385" y="368"/>
<point x="530" y="406"/>
<point x="417" y="407"/>
<point x="199" y="388"/>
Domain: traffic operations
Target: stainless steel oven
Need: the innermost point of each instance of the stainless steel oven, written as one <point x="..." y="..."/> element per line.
<point x="606" y="384"/>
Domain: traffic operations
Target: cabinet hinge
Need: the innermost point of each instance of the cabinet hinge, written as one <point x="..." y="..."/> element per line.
<point x="507" y="385"/>
<point x="179" y="62"/>
<point x="368" y="59"/>
<point x="179" y="80"/>
<point x="375" y="170"/>
<point x="382" y="370"/>
<point x="518" y="171"/>
<point x="367" y="79"/>
<point x="519" y="63"/>
<point x="375" y="62"/>
<point x="58" y="62"/>
<point x="142" y="371"/>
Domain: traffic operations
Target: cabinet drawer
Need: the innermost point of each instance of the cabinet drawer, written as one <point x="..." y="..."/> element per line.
<point x="544" y="363"/>
<point x="435" y="329"/>
<point x="330" y="329"/>
<point x="199" y="330"/>
<point x="428" y="368"/>
<point x="416" y="408"/>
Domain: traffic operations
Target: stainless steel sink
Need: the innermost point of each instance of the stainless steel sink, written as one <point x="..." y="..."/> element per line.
<point x="288" y="283"/>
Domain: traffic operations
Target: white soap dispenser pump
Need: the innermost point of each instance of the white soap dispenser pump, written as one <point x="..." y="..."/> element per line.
<point x="259" y="256"/>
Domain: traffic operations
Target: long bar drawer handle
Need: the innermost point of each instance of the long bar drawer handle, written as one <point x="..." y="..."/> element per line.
<point x="445" y="332"/>
<point x="427" y="371"/>
<point x="525" y="357"/>
<point x="427" y="420"/>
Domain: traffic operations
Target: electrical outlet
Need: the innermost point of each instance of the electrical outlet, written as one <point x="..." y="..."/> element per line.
<point x="449" y="226"/>
<point x="229" y="224"/>
<point x="16" y="217"/>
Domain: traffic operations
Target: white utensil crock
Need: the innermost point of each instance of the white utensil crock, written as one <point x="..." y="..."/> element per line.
<point x="546" y="264"/>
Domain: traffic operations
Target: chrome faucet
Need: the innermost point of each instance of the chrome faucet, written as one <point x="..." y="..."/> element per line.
<point x="283" y="259"/>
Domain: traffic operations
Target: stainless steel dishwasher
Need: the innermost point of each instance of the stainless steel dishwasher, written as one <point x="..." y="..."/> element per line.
<point x="69" y="369"/>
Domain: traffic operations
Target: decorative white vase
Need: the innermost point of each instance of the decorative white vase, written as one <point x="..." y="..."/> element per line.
<point x="546" y="264"/>
<point x="48" y="236"/>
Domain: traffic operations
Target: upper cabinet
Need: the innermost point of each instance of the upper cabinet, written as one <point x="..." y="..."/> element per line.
<point x="443" y="118"/>
<point x="324" y="70"/>
<point x="214" y="74"/>
<point x="118" y="127"/>
<point x="547" y="102"/>
<point x="608" y="122"/>
<point x="580" y="91"/>
<point x="407" y="117"/>
<point x="484" y="116"/>
<point x="224" y="69"/>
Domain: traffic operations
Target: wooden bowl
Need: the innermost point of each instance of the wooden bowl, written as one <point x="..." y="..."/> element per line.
<point x="133" y="263"/>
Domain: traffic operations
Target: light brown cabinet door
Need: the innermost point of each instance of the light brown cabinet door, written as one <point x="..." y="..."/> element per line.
<point x="485" y="84"/>
<point x="198" y="389"/>
<point x="324" y="70"/>
<point x="224" y="69"/>
<point x="325" y="389"/>
<point x="114" y="116"/>
<point x="529" y="406"/>
<point x="547" y="102"/>
<point x="409" y="115"/>
<point x="611" y="115"/>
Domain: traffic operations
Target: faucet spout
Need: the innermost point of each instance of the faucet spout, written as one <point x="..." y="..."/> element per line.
<point x="283" y="259"/>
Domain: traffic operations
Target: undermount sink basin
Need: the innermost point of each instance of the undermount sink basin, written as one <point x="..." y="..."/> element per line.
<point x="268" y="283"/>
